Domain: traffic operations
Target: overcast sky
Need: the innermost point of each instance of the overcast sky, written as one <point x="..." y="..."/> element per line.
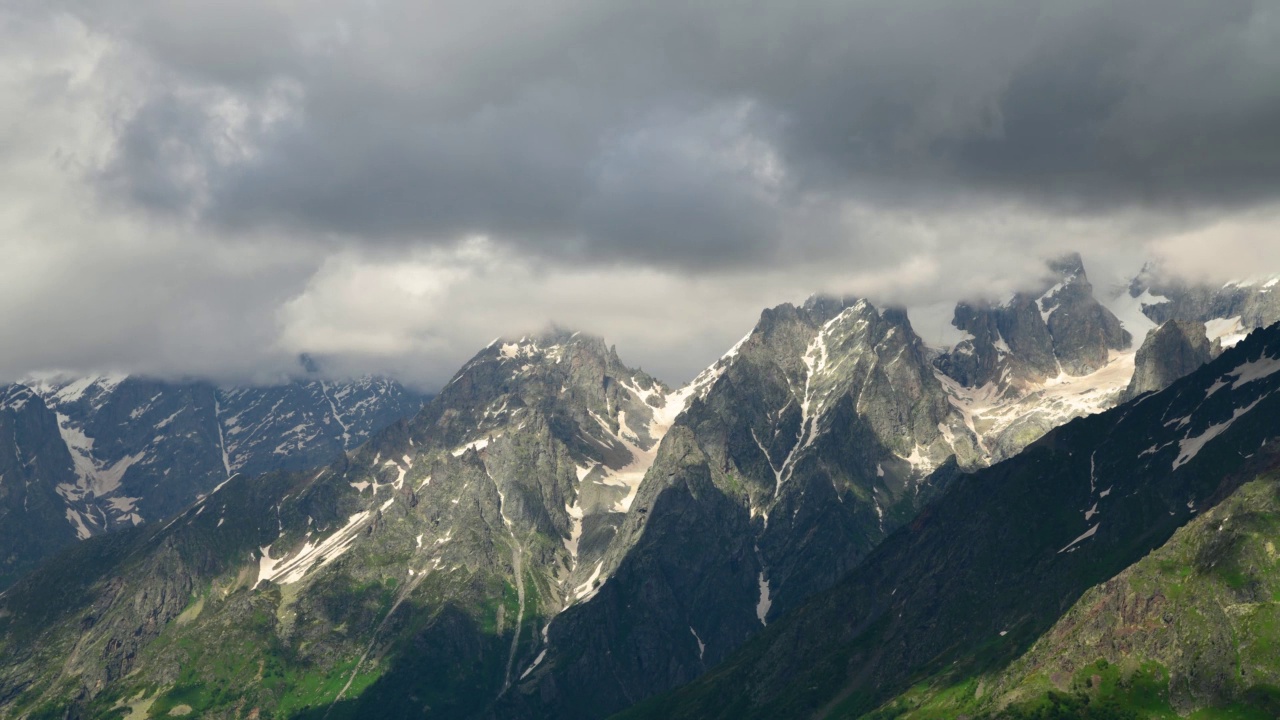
<point x="210" y="188"/>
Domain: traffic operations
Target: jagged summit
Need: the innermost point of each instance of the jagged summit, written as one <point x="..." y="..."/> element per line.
<point x="813" y="437"/>
<point x="1059" y="329"/>
<point x="1037" y="360"/>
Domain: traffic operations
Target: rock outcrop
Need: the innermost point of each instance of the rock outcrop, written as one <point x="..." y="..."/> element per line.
<point x="1172" y="351"/>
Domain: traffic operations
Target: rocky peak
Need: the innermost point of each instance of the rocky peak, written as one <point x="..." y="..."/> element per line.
<point x="1083" y="331"/>
<point x="1058" y="328"/>
<point x="559" y="373"/>
<point x="967" y="584"/>
<point x="1173" y="350"/>
<point x="564" y="432"/>
<point x="809" y="441"/>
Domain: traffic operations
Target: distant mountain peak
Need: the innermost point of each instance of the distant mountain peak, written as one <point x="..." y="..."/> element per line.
<point x="1058" y="329"/>
<point x="115" y="450"/>
<point x="309" y="364"/>
<point x="1067" y="266"/>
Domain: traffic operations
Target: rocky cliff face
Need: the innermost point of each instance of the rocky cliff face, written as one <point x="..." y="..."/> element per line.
<point x="605" y="418"/>
<point x="1036" y="361"/>
<point x="33" y="461"/>
<point x="1174" y="350"/>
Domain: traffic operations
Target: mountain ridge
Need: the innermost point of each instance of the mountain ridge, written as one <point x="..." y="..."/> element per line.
<point x="859" y="645"/>
<point x="135" y="449"/>
<point x="576" y="533"/>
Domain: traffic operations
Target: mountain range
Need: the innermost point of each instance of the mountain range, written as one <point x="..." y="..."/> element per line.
<point x="87" y="455"/>
<point x="832" y="518"/>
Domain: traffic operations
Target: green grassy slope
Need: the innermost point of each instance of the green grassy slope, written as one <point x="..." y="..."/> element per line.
<point x="1191" y="630"/>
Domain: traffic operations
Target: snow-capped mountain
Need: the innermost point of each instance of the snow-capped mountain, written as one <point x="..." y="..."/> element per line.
<point x="1228" y="312"/>
<point x="1061" y="330"/>
<point x="510" y="485"/>
<point x="970" y="613"/>
<point x="1066" y="350"/>
<point x="556" y="534"/>
<point x="121" y="450"/>
<point x="1037" y="360"/>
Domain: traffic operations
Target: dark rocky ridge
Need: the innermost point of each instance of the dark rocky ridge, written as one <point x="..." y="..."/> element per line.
<point x="1193" y="620"/>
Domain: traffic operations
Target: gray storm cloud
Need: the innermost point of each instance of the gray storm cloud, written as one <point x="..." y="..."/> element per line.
<point x="608" y="131"/>
<point x="915" y="151"/>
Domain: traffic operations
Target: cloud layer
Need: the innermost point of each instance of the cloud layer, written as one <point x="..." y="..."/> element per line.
<point x="210" y="188"/>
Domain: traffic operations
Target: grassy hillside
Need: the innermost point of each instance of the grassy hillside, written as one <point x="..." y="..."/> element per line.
<point x="1192" y="630"/>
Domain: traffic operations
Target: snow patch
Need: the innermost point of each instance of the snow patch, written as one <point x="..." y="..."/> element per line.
<point x="575" y="529"/>
<point x="764" y="603"/>
<point x="1253" y="371"/>
<point x="311" y="556"/>
<point x="1190" y="447"/>
<point x="674" y="403"/>
<point x="1087" y="534"/>
<point x="1058" y="399"/>
<point x="1228" y="331"/>
<point x="1047" y="298"/>
<point x="82" y="532"/>
<point x="94" y="478"/>
<point x="536" y="662"/>
<point x="476" y="445"/>
<point x="630" y="475"/>
<point x="1128" y="310"/>
<point x="587" y="589"/>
